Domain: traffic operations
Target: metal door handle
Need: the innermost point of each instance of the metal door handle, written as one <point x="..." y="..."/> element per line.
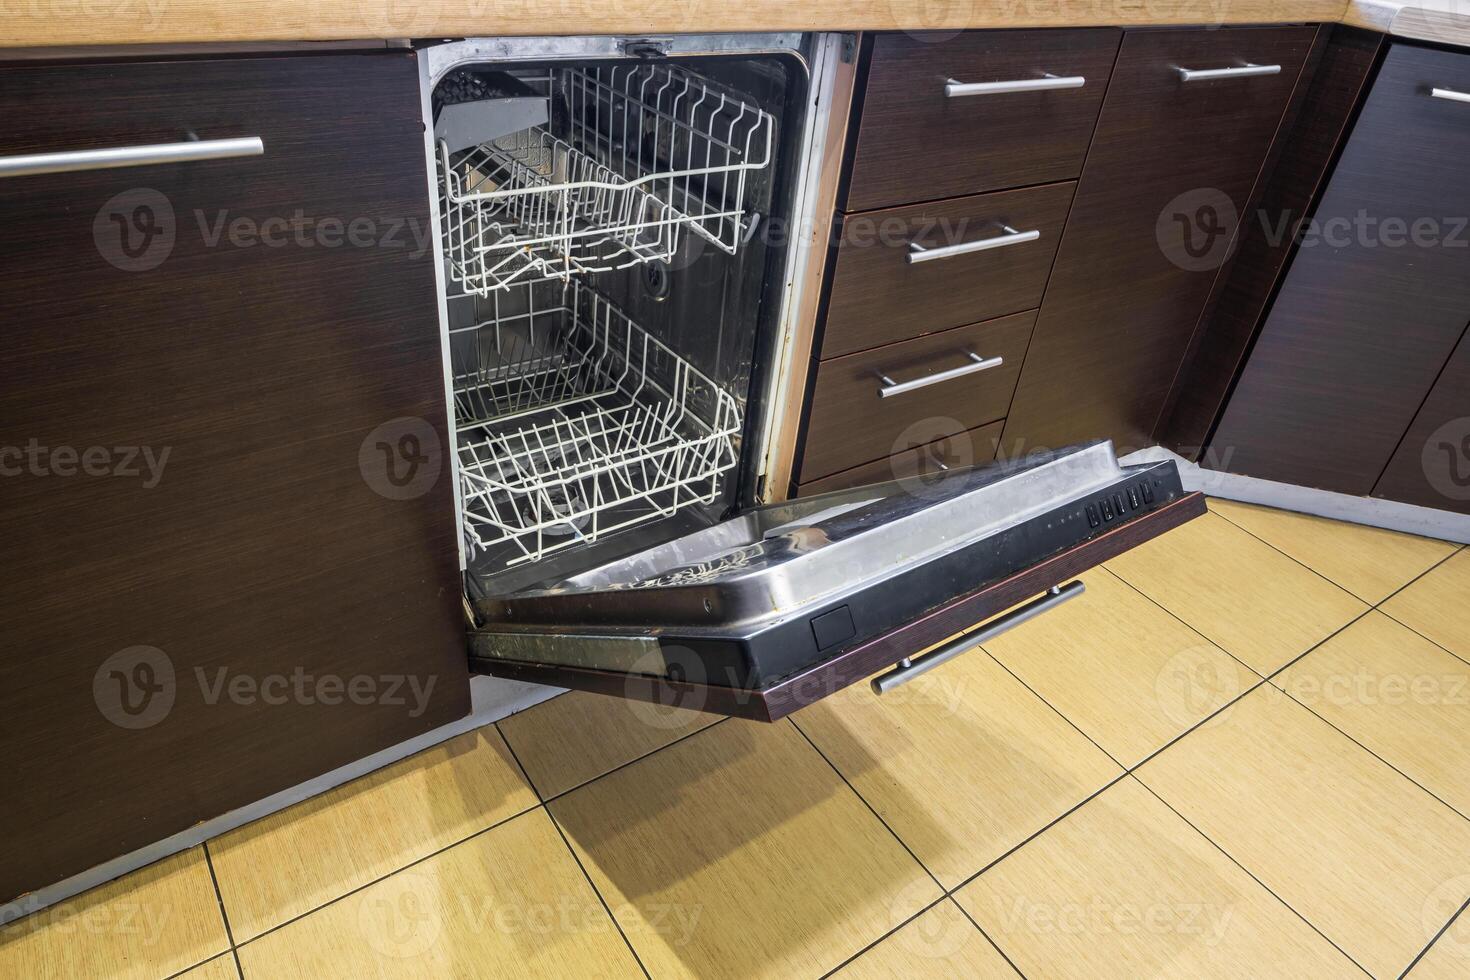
<point x="75" y="161"/>
<point x="976" y="365"/>
<point x="907" y="669"/>
<point x="955" y="89"/>
<point x="1243" y="71"/>
<point x="1451" y="94"/>
<point x="919" y="253"/>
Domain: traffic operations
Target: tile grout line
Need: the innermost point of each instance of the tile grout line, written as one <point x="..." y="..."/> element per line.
<point x="1436" y="938"/>
<point x="223" y="912"/>
<point x="556" y="824"/>
<point x="1183" y="622"/>
<point x="1428" y="639"/>
<point x="883" y="938"/>
<point x="947" y="894"/>
<point x="623" y="765"/>
<point x="864" y="801"/>
<point x="994" y="945"/>
<point x="1303" y="564"/>
<point x="1267" y="888"/>
<point x="189" y="969"/>
<point x="384" y="877"/>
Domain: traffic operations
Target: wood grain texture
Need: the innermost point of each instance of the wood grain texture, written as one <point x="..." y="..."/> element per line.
<point x="1123" y="860"/>
<point x="878" y="297"/>
<point x="741" y="824"/>
<point x="507" y="904"/>
<point x="1211" y="570"/>
<point x="1124" y="296"/>
<point x="284" y="865"/>
<point x="264" y="549"/>
<point x="1023" y="765"/>
<point x="973" y="447"/>
<point x="206" y="20"/>
<point x="1377" y="854"/>
<point x="1431" y="466"/>
<point x="1367" y="316"/>
<point x="1314" y="129"/>
<point x="915" y="143"/>
<point x="850" y="423"/>
<point x="938" y="945"/>
<point x="1435" y="605"/>
<point x="853" y="665"/>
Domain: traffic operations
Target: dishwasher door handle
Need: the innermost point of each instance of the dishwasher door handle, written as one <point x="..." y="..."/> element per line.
<point x="76" y="161"/>
<point x="1240" y="71"/>
<point x="907" y="670"/>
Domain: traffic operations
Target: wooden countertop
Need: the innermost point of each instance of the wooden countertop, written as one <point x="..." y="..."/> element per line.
<point x="71" y="23"/>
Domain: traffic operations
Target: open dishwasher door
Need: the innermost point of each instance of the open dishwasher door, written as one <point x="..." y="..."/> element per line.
<point x="788" y="603"/>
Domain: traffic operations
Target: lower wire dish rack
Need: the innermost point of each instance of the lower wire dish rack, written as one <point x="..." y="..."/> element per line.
<point x="574" y="422"/>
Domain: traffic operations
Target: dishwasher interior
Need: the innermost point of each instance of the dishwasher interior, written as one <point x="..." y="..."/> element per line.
<point x="609" y="288"/>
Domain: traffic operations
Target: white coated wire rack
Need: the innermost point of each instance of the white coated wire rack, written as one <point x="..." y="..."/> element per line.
<point x="574" y="423"/>
<point x="634" y="155"/>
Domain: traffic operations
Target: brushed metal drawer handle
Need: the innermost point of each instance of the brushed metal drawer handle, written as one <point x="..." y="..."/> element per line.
<point x="75" y="161"/>
<point x="1450" y="94"/>
<point x="1243" y="71"/>
<point x="976" y="365"/>
<point x="955" y="89"/>
<point x="907" y="669"/>
<point x="918" y="253"/>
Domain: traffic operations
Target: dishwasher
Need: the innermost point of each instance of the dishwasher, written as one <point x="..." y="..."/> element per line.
<point x="619" y="234"/>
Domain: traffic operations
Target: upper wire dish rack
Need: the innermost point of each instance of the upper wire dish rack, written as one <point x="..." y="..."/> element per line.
<point x="633" y="156"/>
<point x="574" y="422"/>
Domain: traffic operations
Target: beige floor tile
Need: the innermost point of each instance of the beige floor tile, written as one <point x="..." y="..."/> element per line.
<point x="1121" y="668"/>
<point x="509" y="903"/>
<point x="219" y="968"/>
<point x="1369" y="562"/>
<point x="1124" y="888"/>
<point x="1398" y="694"/>
<point x="1353" y="846"/>
<point x="739" y="852"/>
<point x="963" y="762"/>
<point x="154" y="922"/>
<point x="941" y="944"/>
<point x="570" y="739"/>
<point x="291" y="862"/>
<point x="1241" y="593"/>
<point x="1438" y="605"/>
<point x="1449" y="957"/>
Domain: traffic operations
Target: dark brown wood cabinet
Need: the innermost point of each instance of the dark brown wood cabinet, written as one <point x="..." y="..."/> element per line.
<point x="1376" y="297"/>
<point x="1431" y="466"/>
<point x="1173" y="163"/>
<point x="230" y="541"/>
<point x="917" y="142"/>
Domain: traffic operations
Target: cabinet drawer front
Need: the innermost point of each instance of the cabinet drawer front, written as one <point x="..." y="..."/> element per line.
<point x="233" y="369"/>
<point x="979" y="261"/>
<point x="945" y="389"/>
<point x="1367" y="315"/>
<point x="973" y="447"/>
<point x="1171" y="158"/>
<point x="917" y="142"/>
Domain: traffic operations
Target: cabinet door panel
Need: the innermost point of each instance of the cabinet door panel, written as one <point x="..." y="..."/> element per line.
<point x="1149" y="227"/>
<point x="1367" y="316"/>
<point x="208" y="370"/>
<point x="1432" y="465"/>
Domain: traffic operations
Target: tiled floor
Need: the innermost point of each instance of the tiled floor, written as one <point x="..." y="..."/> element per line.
<point x="1244" y="752"/>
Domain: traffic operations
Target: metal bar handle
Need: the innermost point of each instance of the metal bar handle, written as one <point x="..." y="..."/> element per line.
<point x="907" y="669"/>
<point x="920" y="253"/>
<point x="954" y="89"/>
<point x="75" y="161"/>
<point x="976" y="365"/>
<point x="1451" y="94"/>
<point x="1243" y="71"/>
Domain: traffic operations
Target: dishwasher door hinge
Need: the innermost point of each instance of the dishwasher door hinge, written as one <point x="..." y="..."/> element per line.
<point x="646" y="47"/>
